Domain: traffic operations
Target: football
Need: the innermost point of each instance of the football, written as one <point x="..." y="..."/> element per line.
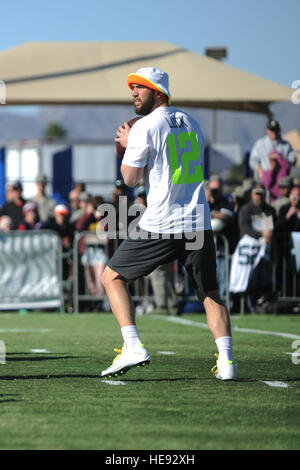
<point x="121" y="150"/>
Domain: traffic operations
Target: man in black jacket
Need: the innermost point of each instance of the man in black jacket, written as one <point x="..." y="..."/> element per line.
<point x="14" y="206"/>
<point x="289" y="214"/>
<point x="257" y="218"/>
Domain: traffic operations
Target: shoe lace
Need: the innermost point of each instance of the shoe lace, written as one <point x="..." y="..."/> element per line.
<point x="119" y="351"/>
<point x="214" y="369"/>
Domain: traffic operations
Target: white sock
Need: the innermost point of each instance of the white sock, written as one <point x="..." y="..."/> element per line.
<point x="131" y="336"/>
<point x="224" y="345"/>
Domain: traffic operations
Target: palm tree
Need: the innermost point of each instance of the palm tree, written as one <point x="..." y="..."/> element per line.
<point x="54" y="130"/>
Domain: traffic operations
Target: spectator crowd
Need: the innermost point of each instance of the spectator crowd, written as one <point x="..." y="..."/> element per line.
<point x="265" y="207"/>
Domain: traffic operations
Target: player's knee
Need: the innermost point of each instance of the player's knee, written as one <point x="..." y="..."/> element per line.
<point x="109" y="276"/>
<point x="213" y="295"/>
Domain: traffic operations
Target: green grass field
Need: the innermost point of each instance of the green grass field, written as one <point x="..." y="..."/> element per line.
<point x="52" y="396"/>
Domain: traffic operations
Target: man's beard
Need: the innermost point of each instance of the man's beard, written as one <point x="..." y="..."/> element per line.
<point x="145" y="107"/>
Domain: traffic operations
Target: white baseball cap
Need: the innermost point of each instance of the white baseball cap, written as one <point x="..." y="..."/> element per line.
<point x="151" y="77"/>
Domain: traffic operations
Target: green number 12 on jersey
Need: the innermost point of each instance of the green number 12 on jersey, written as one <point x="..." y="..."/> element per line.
<point x="181" y="176"/>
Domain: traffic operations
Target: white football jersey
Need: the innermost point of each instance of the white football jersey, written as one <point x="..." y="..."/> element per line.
<point x="168" y="143"/>
<point x="245" y="258"/>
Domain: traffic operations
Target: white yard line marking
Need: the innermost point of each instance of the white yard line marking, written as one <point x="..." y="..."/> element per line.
<point x="181" y="321"/>
<point x="167" y="353"/>
<point x="185" y="322"/>
<point x="263" y="332"/>
<point x="5" y="330"/>
<point x="275" y="383"/>
<point x="41" y="351"/>
<point x="113" y="382"/>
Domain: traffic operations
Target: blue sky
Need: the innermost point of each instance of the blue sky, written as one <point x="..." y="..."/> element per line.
<point x="262" y="36"/>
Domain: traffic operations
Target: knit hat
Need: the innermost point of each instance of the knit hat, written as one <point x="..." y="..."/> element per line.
<point x="29" y="207"/>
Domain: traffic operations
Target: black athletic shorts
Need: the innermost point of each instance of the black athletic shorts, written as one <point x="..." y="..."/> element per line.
<point x="136" y="258"/>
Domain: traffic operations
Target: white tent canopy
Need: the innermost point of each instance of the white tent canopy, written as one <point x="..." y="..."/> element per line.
<point x="95" y="73"/>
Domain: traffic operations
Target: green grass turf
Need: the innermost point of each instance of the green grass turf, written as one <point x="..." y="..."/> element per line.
<point x="57" y="400"/>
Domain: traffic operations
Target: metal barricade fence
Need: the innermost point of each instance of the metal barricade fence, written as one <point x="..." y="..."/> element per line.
<point x="31" y="270"/>
<point x="285" y="273"/>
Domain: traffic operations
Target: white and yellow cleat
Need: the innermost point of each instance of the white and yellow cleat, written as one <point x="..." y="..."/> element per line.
<point x="225" y="370"/>
<point x="125" y="360"/>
